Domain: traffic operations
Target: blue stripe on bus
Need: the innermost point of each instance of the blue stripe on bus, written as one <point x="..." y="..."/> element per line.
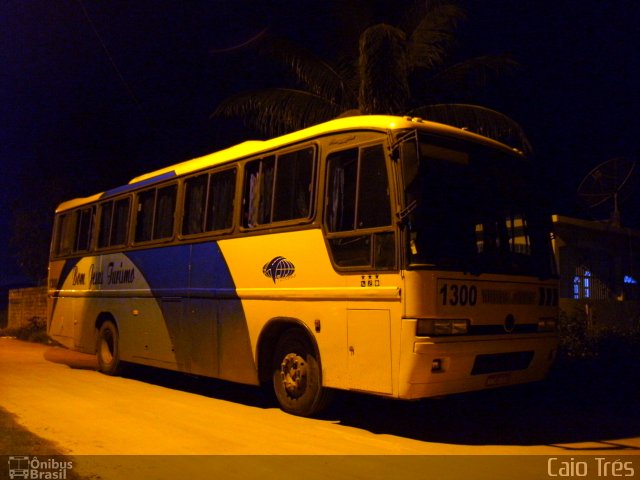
<point x="167" y="271"/>
<point x="178" y="272"/>
<point x="209" y="268"/>
<point x="143" y="183"/>
<point x="66" y="270"/>
<point x="198" y="274"/>
<point x="69" y="265"/>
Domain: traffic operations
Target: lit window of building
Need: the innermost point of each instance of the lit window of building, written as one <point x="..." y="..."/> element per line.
<point x="582" y="284"/>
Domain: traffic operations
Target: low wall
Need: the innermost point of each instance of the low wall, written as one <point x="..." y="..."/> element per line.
<point x="26" y="303"/>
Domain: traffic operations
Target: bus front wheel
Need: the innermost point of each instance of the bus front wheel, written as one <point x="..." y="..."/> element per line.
<point x="108" y="349"/>
<point x="297" y="382"/>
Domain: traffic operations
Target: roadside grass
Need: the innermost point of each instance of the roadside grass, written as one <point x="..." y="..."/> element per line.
<point x="35" y="330"/>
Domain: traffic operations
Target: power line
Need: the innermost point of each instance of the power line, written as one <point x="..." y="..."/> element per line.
<point x="126" y="85"/>
<point x="119" y="73"/>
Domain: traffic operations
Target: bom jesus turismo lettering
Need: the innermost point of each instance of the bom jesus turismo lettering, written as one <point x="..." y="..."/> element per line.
<point x="112" y="275"/>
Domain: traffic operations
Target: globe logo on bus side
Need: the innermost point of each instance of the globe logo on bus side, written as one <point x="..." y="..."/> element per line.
<point x="278" y="269"/>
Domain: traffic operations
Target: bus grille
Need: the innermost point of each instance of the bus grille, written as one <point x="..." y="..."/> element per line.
<point x="501" y="362"/>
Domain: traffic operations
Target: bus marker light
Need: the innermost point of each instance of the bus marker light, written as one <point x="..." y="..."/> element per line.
<point x="436" y="365"/>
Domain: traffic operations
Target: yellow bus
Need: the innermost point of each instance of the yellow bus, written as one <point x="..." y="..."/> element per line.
<point x="377" y="254"/>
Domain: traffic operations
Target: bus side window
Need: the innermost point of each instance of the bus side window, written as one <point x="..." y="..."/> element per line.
<point x="222" y="188"/>
<point x="373" y="189"/>
<point x="104" y="230"/>
<point x="164" y="212"/>
<point x="294" y="185"/>
<point x="258" y="192"/>
<point x="144" y="215"/>
<point x="120" y="223"/>
<point x="114" y="223"/>
<point x="208" y="202"/>
<point x="342" y="184"/>
<point x="194" y="204"/>
<point x="358" y="199"/>
<point x="155" y="215"/>
<point x="84" y="229"/>
<point x="65" y="235"/>
<point x="279" y="188"/>
<point x="74" y="231"/>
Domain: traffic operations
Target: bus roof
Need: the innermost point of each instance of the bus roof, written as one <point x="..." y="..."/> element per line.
<point x="254" y="147"/>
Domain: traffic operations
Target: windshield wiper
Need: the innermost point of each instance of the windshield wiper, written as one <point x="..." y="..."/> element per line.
<point x="406" y="211"/>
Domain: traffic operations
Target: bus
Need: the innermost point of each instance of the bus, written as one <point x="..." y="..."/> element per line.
<point x="380" y="254"/>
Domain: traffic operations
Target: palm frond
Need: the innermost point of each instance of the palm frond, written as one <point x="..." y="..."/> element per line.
<point x="480" y="120"/>
<point x="461" y="82"/>
<point x="471" y="75"/>
<point x="387" y="69"/>
<point x="277" y="111"/>
<point x="431" y="40"/>
<point x="347" y="67"/>
<point x="384" y="86"/>
<point x="318" y="76"/>
<point x="349" y="19"/>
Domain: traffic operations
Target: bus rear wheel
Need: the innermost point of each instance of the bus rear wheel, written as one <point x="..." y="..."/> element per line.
<point x="297" y="381"/>
<point x="108" y="350"/>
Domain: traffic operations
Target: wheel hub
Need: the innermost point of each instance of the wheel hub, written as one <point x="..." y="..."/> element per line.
<point x="293" y="371"/>
<point x="107" y="348"/>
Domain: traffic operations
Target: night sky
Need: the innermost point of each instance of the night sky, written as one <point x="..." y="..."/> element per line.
<point x="69" y="106"/>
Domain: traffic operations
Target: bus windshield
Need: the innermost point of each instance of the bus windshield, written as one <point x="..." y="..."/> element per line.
<point x="469" y="208"/>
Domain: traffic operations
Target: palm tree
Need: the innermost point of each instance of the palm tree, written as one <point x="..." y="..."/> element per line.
<point x="403" y="70"/>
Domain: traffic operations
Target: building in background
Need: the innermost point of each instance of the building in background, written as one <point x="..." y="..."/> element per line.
<point x="599" y="267"/>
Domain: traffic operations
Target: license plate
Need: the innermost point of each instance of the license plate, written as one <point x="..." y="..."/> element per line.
<point x="498" y="379"/>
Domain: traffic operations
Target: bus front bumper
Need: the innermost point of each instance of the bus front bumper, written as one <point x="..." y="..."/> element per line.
<point x="441" y="366"/>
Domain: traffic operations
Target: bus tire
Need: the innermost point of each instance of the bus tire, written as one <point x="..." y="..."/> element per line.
<point x="297" y="381"/>
<point x="108" y="350"/>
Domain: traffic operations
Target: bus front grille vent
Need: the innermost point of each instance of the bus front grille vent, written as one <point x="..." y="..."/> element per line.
<point x="501" y="362"/>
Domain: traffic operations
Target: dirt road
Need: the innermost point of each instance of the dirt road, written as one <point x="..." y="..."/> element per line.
<point x="58" y="395"/>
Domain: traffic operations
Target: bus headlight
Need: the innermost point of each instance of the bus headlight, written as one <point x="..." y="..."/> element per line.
<point x="428" y="327"/>
<point x="547" y="324"/>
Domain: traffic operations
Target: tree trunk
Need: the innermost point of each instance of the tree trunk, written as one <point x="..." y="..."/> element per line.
<point x="383" y="64"/>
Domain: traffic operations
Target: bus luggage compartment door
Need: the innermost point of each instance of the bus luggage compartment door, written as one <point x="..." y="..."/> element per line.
<point x="369" y="356"/>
